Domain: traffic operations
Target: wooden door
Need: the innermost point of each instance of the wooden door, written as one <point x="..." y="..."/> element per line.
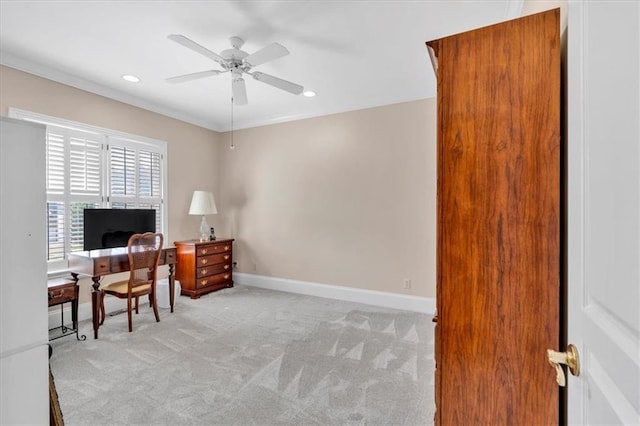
<point x="499" y="213"/>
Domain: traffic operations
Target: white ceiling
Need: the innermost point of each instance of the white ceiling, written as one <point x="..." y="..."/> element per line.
<point x="354" y="54"/>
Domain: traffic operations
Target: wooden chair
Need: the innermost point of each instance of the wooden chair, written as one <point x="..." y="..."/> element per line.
<point x="144" y="252"/>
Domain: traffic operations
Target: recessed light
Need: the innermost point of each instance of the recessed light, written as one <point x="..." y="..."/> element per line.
<point x="309" y="93"/>
<point x="131" y="78"/>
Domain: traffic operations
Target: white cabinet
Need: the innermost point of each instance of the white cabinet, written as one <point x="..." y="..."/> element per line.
<point x="24" y="380"/>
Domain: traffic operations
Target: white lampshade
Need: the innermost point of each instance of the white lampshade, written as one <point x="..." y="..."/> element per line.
<point x="202" y="203"/>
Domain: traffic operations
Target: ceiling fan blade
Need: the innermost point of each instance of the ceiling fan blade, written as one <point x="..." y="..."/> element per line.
<point x="290" y="87"/>
<point x="239" y="91"/>
<point x="192" y="76"/>
<point x="266" y="54"/>
<point x="190" y="44"/>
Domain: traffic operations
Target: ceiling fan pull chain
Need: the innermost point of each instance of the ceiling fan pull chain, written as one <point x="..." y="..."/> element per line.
<point x="232" y="145"/>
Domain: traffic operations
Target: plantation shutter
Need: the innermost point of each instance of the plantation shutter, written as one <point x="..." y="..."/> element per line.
<point x="135" y="176"/>
<point x="56" y="166"/>
<point x="74" y="170"/>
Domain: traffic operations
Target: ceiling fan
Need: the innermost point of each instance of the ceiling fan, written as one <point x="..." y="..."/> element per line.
<point x="237" y="62"/>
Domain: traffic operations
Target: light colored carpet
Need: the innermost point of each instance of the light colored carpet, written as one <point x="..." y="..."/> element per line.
<point x="250" y="356"/>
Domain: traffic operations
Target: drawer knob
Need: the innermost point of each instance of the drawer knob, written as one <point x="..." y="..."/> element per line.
<point x="203" y="282"/>
<point x="204" y="251"/>
<point x="226" y="276"/>
<point x="204" y="261"/>
<point x="203" y="271"/>
<point x="226" y="257"/>
<point x="226" y="266"/>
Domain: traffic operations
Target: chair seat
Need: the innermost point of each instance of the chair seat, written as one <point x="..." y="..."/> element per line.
<point x="121" y="288"/>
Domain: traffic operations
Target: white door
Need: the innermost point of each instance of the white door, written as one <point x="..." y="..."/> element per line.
<point x="24" y="376"/>
<point x="604" y="210"/>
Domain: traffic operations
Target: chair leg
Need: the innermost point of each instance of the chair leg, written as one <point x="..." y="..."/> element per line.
<point x="152" y="296"/>
<point x="150" y="301"/>
<point x="129" y="314"/>
<point x="102" y="312"/>
<point x="137" y="305"/>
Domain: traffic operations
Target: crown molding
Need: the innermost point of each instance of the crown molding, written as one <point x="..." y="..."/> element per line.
<point x="53" y="74"/>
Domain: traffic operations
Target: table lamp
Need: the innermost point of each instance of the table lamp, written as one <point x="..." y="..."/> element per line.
<point x="202" y="203"/>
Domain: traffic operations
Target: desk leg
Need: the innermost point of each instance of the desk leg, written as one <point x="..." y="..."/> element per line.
<point x="74" y="311"/>
<point x="95" y="305"/>
<point x="74" y="307"/>
<point x="172" y="285"/>
<point x="74" y="302"/>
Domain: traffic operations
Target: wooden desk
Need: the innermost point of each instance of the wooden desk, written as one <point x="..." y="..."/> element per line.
<point x="98" y="263"/>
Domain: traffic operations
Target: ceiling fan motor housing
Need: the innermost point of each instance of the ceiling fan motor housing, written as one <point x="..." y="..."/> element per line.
<point x="234" y="54"/>
<point x="234" y="57"/>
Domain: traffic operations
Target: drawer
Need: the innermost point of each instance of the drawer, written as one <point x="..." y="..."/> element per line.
<point x="209" y="249"/>
<point x="59" y="295"/>
<point x="205" y="271"/>
<point x="213" y="280"/>
<point x="213" y="259"/>
<point x="169" y="256"/>
<point x="102" y="266"/>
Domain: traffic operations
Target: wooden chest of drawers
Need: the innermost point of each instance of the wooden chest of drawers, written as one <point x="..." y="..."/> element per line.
<point x="204" y="267"/>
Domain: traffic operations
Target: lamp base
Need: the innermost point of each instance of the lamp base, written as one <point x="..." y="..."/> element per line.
<point x="204" y="230"/>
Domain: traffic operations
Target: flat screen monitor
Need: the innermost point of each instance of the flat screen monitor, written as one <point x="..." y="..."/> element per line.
<point x="108" y="228"/>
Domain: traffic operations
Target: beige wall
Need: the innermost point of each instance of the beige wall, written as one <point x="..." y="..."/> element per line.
<point x="346" y="199"/>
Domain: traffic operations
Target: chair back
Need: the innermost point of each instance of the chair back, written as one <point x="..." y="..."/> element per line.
<point x="144" y="253"/>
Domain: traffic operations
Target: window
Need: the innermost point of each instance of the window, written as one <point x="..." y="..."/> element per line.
<point x="90" y="167"/>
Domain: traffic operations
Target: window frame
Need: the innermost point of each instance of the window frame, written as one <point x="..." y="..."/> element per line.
<point x="108" y="138"/>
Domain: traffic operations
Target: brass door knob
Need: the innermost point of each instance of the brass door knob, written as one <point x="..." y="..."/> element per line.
<point x="569" y="358"/>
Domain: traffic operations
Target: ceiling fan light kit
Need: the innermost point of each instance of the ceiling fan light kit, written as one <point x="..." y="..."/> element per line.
<point x="238" y="63"/>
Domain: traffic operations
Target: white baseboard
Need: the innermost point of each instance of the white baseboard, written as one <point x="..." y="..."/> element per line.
<point x="426" y="305"/>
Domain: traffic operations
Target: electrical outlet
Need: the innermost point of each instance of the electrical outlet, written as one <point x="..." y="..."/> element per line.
<point x="407" y="283"/>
